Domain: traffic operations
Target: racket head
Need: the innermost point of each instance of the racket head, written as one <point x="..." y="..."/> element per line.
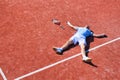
<point x="56" y="21"/>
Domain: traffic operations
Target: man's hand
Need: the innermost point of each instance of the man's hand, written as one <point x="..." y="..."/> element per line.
<point x="68" y="23"/>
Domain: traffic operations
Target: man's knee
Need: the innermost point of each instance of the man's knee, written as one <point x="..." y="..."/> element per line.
<point x="82" y="45"/>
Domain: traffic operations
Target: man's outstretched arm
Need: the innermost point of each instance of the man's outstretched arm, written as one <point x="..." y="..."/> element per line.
<point x="99" y="35"/>
<point x="72" y="26"/>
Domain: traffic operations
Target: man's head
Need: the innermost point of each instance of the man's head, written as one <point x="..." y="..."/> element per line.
<point x="86" y="26"/>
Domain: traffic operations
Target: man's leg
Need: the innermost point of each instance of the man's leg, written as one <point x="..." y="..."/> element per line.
<point x="83" y="52"/>
<point x="65" y="47"/>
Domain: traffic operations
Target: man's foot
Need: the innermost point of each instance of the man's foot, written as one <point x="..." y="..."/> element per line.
<point x="58" y="50"/>
<point x="87" y="59"/>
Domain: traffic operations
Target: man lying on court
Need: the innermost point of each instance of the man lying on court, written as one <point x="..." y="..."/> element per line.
<point x="78" y="38"/>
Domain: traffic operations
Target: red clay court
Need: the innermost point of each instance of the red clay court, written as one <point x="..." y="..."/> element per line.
<point x="27" y="36"/>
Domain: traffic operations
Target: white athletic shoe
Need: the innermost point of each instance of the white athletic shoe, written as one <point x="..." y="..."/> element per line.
<point x="87" y="59"/>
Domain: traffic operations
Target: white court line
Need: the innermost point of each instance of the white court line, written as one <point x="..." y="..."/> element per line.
<point x="61" y="61"/>
<point x="2" y="74"/>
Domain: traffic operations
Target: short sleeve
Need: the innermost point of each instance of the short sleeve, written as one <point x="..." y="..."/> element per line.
<point x="91" y="33"/>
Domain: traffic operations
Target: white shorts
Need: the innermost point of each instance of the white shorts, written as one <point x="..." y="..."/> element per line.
<point x="79" y="40"/>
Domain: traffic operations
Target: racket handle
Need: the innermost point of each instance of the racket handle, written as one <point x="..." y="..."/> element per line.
<point x="62" y="27"/>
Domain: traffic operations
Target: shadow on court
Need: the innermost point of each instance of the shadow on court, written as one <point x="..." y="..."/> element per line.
<point x="91" y="64"/>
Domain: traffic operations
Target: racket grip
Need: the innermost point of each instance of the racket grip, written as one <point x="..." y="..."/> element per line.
<point x="62" y="27"/>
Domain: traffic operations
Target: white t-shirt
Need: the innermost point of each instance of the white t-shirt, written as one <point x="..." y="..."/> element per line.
<point x="80" y="35"/>
<point x="83" y="32"/>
